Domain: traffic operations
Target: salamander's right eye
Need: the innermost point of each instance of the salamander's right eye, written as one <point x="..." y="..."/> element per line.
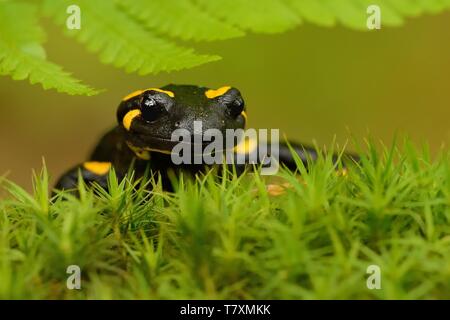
<point x="151" y="107"/>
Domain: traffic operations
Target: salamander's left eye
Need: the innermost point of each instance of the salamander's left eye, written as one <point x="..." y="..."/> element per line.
<point x="235" y="107"/>
<point x="152" y="108"/>
<point x="231" y="99"/>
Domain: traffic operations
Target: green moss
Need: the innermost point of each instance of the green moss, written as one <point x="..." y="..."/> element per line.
<point x="227" y="238"/>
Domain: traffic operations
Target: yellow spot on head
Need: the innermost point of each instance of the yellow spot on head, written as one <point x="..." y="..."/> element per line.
<point x="132" y="95"/>
<point x="138" y="92"/>
<point x="99" y="168"/>
<point x="128" y="118"/>
<point x="169" y="93"/>
<point x="246" y="146"/>
<point x="244" y="114"/>
<point x="211" y="94"/>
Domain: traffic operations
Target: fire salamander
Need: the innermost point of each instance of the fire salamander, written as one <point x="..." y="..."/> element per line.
<point x="143" y="137"/>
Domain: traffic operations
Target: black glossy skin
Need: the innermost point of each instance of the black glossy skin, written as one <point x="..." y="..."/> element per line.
<point x="152" y="129"/>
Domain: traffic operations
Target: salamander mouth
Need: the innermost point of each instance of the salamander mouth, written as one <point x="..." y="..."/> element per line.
<point x="166" y="146"/>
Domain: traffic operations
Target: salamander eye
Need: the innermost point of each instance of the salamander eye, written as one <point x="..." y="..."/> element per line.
<point x="235" y="107"/>
<point x="152" y="108"/>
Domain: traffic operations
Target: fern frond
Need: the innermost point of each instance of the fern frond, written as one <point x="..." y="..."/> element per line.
<point x="353" y="14"/>
<point x="133" y="34"/>
<point x="22" y="55"/>
<point x="180" y="19"/>
<point x="260" y="16"/>
<point x="123" y="42"/>
<point x="21" y="66"/>
<point x="313" y="11"/>
<point x="271" y="16"/>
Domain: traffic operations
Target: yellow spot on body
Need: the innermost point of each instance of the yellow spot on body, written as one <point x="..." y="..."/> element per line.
<point x="343" y="172"/>
<point x="278" y="189"/>
<point x="138" y="92"/>
<point x="246" y="146"/>
<point x="128" y="118"/>
<point x="211" y="94"/>
<point x="99" y="168"/>
<point x="275" y="190"/>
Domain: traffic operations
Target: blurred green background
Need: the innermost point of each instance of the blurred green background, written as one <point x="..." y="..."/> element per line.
<point x="312" y="83"/>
